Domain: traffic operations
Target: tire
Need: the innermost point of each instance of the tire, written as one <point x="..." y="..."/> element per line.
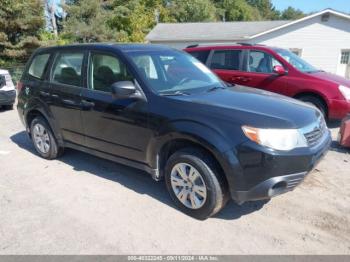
<point x="195" y="202"/>
<point x="43" y="139"/>
<point x="318" y="103"/>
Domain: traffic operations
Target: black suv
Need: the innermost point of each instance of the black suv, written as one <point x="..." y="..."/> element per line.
<point x="162" y="111"/>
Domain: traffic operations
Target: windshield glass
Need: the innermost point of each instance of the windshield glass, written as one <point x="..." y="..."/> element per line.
<point x="173" y="71"/>
<point x="296" y="61"/>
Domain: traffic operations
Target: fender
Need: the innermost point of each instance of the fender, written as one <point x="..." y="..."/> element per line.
<point x="195" y="132"/>
<point x="38" y="105"/>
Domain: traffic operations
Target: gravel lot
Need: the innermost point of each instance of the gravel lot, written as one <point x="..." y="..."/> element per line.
<point x="81" y="204"/>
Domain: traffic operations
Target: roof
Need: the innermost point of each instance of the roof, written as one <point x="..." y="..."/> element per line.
<point x="225" y="31"/>
<point x="125" y="47"/>
<point x="210" y="31"/>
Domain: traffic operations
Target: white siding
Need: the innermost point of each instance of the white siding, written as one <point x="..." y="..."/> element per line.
<point x="321" y="42"/>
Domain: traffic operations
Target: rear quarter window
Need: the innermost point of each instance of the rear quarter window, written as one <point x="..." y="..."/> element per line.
<point x="201" y="55"/>
<point x="38" y="64"/>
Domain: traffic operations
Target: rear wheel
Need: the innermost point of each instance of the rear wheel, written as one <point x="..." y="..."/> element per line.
<point x="316" y="102"/>
<point x="194" y="183"/>
<point x="43" y="139"/>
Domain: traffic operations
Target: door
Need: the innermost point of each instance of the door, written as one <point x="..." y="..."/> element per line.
<point x="115" y="126"/>
<point x="258" y="72"/>
<point x="67" y="76"/>
<point x="344" y="64"/>
<point x="227" y="64"/>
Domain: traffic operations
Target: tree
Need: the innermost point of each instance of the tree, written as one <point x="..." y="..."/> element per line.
<point x="266" y="9"/>
<point x="192" y="11"/>
<point x="89" y="21"/>
<point x="236" y="10"/>
<point x="21" y="22"/>
<point x="292" y="14"/>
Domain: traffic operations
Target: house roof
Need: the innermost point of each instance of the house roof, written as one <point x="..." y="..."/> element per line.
<point x="225" y="31"/>
<point x="210" y="31"/>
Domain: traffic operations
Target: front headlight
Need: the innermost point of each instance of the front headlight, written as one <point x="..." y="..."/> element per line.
<point x="345" y="91"/>
<point x="279" y="139"/>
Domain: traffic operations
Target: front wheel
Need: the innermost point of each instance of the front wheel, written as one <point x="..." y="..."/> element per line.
<point x="194" y="183"/>
<point x="316" y="102"/>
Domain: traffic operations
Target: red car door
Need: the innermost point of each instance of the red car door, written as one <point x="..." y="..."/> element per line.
<point x="258" y="71"/>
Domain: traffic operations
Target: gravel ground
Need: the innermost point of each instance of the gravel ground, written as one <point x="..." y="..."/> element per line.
<point x="80" y="204"/>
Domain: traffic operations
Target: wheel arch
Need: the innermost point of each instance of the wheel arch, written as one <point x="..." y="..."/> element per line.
<point x="317" y="95"/>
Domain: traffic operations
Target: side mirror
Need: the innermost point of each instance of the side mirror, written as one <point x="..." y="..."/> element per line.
<point x="123" y="89"/>
<point x="279" y="70"/>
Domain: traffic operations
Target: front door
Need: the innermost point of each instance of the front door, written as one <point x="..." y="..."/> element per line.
<point x="115" y="126"/>
<point x="65" y="94"/>
<point x="258" y="72"/>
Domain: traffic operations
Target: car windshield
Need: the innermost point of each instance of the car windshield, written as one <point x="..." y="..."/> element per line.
<point x="174" y="72"/>
<point x="296" y="61"/>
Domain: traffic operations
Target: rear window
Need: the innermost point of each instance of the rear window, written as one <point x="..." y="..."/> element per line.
<point x="226" y="59"/>
<point x="200" y="55"/>
<point x="38" y="65"/>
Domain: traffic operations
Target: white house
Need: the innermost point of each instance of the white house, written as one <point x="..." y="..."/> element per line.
<point x="322" y="39"/>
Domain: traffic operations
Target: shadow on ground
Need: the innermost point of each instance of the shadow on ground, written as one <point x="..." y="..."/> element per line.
<point x="131" y="178"/>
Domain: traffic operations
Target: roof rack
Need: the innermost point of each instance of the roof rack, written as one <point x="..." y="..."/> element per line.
<point x="215" y="44"/>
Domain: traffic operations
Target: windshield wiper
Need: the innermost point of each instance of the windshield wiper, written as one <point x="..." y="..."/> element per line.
<point x="176" y="93"/>
<point x="215" y="88"/>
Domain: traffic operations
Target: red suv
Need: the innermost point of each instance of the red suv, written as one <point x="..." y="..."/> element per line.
<point x="280" y="71"/>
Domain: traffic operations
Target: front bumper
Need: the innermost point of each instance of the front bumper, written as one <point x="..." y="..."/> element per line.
<point x="338" y="109"/>
<point x="257" y="173"/>
<point x="7" y="97"/>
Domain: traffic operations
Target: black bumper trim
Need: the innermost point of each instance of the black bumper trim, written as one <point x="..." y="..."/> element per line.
<point x="269" y="188"/>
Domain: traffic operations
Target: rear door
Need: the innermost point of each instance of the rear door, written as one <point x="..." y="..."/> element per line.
<point x="258" y="72"/>
<point x="227" y="64"/>
<point x="67" y="80"/>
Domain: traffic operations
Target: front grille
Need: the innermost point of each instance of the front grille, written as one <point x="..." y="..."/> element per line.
<point x="292" y="183"/>
<point x="314" y="136"/>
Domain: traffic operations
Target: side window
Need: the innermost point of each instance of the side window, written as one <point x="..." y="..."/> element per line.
<point x="201" y="55"/>
<point x="105" y="70"/>
<point x="226" y="59"/>
<point x="68" y="69"/>
<point x="261" y="62"/>
<point x="38" y="65"/>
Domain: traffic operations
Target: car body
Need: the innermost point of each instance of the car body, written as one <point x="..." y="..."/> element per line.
<point x="7" y="89"/>
<point x="162" y="111"/>
<point x="280" y="71"/>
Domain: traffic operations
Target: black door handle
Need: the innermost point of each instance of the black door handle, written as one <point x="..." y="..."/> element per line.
<point x="55" y="96"/>
<point x="69" y="102"/>
<point x="86" y="105"/>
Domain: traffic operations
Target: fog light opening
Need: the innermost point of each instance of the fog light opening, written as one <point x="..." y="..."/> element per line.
<point x="279" y="186"/>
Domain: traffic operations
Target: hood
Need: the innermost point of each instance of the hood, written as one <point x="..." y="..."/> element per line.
<point x="250" y="106"/>
<point x="331" y="77"/>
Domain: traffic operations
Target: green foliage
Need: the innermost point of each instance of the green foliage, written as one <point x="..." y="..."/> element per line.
<point x="237" y="10"/>
<point x="20" y="24"/>
<point x="266" y="9"/>
<point x="192" y="11"/>
<point x="89" y="21"/>
<point x="292" y="14"/>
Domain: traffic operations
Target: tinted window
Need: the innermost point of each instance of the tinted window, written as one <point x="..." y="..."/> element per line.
<point x="296" y="61"/>
<point x="106" y="70"/>
<point x="38" y="65"/>
<point x="201" y="55"/>
<point x="261" y="62"/>
<point x="68" y="69"/>
<point x="226" y="59"/>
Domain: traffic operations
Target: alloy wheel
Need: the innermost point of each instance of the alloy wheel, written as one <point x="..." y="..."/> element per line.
<point x="188" y="185"/>
<point x="41" y="138"/>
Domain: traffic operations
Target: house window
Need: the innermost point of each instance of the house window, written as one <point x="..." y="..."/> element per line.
<point x="344" y="59"/>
